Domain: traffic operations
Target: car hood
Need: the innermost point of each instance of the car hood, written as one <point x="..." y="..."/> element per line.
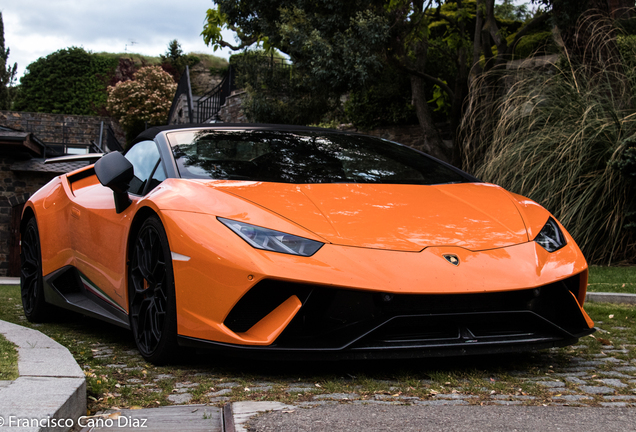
<point x="476" y="216"/>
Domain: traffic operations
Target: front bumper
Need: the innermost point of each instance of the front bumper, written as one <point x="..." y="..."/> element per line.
<point x="348" y="324"/>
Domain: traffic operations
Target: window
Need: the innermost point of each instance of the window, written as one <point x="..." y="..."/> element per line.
<point x="146" y="162"/>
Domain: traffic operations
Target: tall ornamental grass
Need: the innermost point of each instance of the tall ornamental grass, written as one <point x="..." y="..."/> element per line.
<point x="554" y="134"/>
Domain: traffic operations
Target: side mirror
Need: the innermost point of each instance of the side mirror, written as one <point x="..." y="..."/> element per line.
<point x="115" y="172"/>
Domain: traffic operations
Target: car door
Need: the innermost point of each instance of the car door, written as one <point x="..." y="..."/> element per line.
<point x="100" y="234"/>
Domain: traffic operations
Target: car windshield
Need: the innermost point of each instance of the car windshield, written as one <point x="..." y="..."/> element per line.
<point x="303" y="157"/>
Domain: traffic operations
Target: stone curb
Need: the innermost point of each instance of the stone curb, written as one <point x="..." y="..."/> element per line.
<point x="51" y="384"/>
<point x="605" y="297"/>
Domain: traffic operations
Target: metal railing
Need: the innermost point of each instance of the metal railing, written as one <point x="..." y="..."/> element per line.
<point x="183" y="88"/>
<point x="209" y="105"/>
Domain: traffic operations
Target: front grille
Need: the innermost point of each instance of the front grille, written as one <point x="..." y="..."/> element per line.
<point x="334" y="318"/>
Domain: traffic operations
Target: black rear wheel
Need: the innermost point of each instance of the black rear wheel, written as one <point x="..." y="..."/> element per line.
<point x="31" y="284"/>
<point x="151" y="294"/>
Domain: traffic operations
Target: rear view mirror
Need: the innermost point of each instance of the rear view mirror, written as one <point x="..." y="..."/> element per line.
<point x="115" y="172"/>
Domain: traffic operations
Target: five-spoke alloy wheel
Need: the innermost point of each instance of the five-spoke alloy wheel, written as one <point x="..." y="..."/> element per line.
<point x="151" y="293"/>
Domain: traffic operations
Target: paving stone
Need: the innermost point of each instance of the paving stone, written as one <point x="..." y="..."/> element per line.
<point x="578" y="369"/>
<point x="337" y="396"/>
<point x="181" y="385"/>
<point x="614" y="404"/>
<point x="300" y="389"/>
<point x="614" y="374"/>
<point x="626" y="368"/>
<point x="620" y="351"/>
<point x="203" y="374"/>
<point x="572" y="374"/>
<point x="219" y="393"/>
<point x="507" y="402"/>
<point x="220" y="399"/>
<point x="575" y="380"/>
<point x="316" y="403"/>
<point x="596" y="389"/>
<point x="572" y="398"/>
<point x="453" y="396"/>
<point x="612" y="360"/>
<point x="619" y="397"/>
<point x="376" y="402"/>
<point x="612" y="382"/>
<point x="599" y="355"/>
<point x="551" y="383"/>
<point x="181" y="398"/>
<point x="163" y="376"/>
<point x="131" y="352"/>
<point x="390" y="397"/>
<point x="117" y="366"/>
<point x="227" y="385"/>
<point x="519" y="397"/>
<point x="260" y="388"/>
<point x="263" y="384"/>
<point x="134" y="368"/>
<point x="133" y="380"/>
<point x="441" y="402"/>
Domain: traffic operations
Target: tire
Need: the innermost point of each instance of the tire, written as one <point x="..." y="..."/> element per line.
<point x="31" y="284"/>
<point x="151" y="294"/>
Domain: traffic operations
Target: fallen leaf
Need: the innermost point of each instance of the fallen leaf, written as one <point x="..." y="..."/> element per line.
<point x="611" y="316"/>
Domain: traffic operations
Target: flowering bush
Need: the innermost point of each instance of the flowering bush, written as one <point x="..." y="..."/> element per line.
<point x="147" y="97"/>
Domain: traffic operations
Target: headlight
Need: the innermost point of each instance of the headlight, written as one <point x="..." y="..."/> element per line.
<point x="550" y="237"/>
<point x="275" y="241"/>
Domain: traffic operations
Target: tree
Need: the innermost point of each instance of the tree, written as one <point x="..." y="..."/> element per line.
<point x="344" y="45"/>
<point x="341" y="45"/>
<point x="174" y="60"/>
<point x="68" y="81"/>
<point x="143" y="101"/>
<point x="7" y="72"/>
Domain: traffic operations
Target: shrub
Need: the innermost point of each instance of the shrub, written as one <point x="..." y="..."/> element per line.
<point x="145" y="98"/>
<point x="68" y="81"/>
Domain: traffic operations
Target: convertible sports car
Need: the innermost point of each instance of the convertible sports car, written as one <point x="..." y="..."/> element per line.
<point x="284" y="240"/>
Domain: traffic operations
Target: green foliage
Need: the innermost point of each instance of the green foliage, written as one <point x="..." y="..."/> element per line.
<point x="7" y="73"/>
<point x="540" y="43"/>
<point x="507" y="10"/>
<point x="386" y="101"/>
<point x="175" y="61"/>
<point x="278" y="93"/>
<point x="68" y="81"/>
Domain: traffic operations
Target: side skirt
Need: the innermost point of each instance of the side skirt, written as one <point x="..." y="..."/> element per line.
<point x="69" y="289"/>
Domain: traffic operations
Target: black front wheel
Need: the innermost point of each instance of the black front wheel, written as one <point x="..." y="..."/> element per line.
<point x="31" y="284"/>
<point x="151" y="294"/>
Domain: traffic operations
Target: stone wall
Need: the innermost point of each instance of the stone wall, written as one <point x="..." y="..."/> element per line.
<point x="231" y="111"/>
<point x="60" y="128"/>
<point x="15" y="189"/>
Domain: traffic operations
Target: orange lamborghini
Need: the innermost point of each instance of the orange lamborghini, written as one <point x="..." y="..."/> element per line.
<point x="275" y="240"/>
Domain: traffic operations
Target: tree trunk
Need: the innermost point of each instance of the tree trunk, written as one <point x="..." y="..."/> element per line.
<point x="431" y="140"/>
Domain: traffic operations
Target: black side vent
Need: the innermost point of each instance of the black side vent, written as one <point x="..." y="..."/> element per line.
<point x="81" y="175"/>
<point x="260" y="301"/>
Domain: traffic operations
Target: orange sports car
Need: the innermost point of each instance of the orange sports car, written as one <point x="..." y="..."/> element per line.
<point x="279" y="240"/>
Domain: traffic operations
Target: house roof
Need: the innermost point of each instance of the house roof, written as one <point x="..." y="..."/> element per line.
<point x="37" y="165"/>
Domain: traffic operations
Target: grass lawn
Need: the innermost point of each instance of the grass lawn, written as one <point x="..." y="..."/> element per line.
<point x="612" y="279"/>
<point x="8" y="360"/>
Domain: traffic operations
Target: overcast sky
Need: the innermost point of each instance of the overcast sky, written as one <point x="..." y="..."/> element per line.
<point x="36" y="28"/>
